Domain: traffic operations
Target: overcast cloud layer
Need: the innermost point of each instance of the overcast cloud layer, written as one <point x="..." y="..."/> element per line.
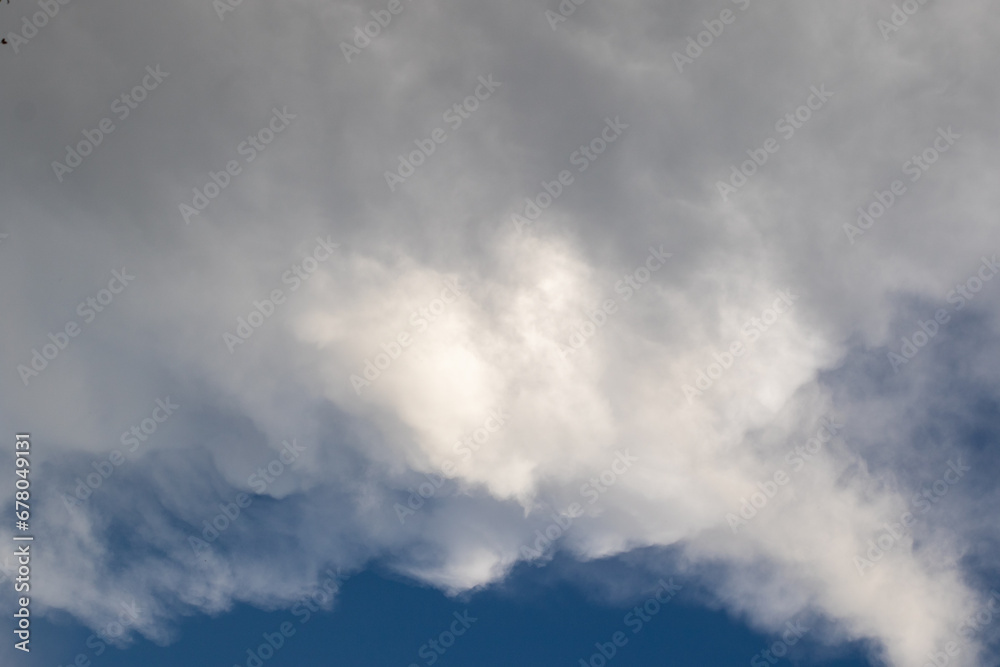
<point x="479" y="307"/>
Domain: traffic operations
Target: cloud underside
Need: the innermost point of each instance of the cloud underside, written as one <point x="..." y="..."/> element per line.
<point x="631" y="371"/>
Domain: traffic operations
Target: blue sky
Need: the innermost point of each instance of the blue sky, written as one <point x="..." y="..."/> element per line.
<point x="537" y="313"/>
<point x="531" y="621"/>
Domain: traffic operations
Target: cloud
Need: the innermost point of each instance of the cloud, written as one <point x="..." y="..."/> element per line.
<point x="492" y="311"/>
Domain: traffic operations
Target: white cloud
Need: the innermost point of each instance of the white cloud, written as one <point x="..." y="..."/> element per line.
<point x="499" y="342"/>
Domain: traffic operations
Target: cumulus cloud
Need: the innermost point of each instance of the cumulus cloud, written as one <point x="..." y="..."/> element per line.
<point x="651" y="353"/>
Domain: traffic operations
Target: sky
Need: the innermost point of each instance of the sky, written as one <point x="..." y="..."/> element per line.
<point x="642" y="333"/>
